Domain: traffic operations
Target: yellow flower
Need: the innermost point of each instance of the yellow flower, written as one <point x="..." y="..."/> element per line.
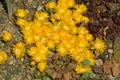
<point x="37" y="22"/>
<point x="98" y="45"/>
<point x="21" y="13"/>
<point x="42" y="16"/>
<point x="70" y="3"/>
<point x="27" y="27"/>
<point x="92" y="61"/>
<point x="57" y="26"/>
<point x="79" y="69"/>
<point x="50" y="5"/>
<point x="68" y="45"/>
<point x="56" y="37"/>
<point x="41" y="66"/>
<point x="81" y="8"/>
<point x="85" y="19"/>
<point x="88" y="53"/>
<point x="28" y="39"/>
<point x="89" y="37"/>
<point x="42" y="50"/>
<point x="7" y="36"/>
<point x="38" y="43"/>
<point x="77" y="17"/>
<point x="33" y="63"/>
<point x="61" y="50"/>
<point x="38" y="57"/>
<point x="77" y="58"/>
<point x="21" y="22"/>
<point x="52" y="19"/>
<point x="20" y="45"/>
<point x="64" y="16"/>
<point x="19" y="50"/>
<point x="82" y="30"/>
<point x="50" y="44"/>
<point x="32" y="51"/>
<point x="3" y="57"/>
<point x="83" y="43"/>
<point x="61" y="7"/>
<point x="57" y="16"/>
<point x="36" y="37"/>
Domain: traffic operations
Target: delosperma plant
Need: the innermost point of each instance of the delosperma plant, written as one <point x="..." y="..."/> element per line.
<point x="55" y="29"/>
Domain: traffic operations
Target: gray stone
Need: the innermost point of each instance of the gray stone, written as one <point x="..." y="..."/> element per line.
<point x="99" y="62"/>
<point x="110" y="51"/>
<point x="110" y="45"/>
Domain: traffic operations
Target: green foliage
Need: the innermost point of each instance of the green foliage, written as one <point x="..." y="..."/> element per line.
<point x="85" y="62"/>
<point x="46" y="78"/>
<point x="87" y="75"/>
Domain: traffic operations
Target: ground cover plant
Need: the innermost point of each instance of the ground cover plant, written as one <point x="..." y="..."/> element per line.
<point x="56" y="37"/>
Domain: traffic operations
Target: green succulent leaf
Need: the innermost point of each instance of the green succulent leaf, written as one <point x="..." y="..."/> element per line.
<point x="87" y="75"/>
<point x="85" y="62"/>
<point x="46" y="78"/>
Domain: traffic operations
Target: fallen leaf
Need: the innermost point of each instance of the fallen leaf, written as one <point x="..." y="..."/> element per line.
<point x="107" y="67"/>
<point x="105" y="29"/>
<point x="115" y="69"/>
<point x="66" y="76"/>
<point x="69" y="67"/>
<point x="98" y="69"/>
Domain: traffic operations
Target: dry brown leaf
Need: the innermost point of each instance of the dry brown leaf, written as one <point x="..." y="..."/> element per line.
<point x="115" y="69"/>
<point x="105" y="29"/>
<point x="66" y="76"/>
<point x="49" y="71"/>
<point x="69" y="67"/>
<point x="107" y="67"/>
<point x="53" y="74"/>
<point x="56" y="75"/>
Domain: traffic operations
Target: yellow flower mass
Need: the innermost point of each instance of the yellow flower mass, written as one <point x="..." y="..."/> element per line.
<point x="58" y="31"/>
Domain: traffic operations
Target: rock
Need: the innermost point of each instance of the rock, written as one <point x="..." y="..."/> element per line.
<point x="110" y="45"/>
<point x="110" y="51"/>
<point x="116" y="49"/>
<point x="99" y="62"/>
<point x="111" y="77"/>
<point x="98" y="70"/>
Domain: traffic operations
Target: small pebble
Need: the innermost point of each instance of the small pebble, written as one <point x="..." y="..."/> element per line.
<point x="111" y="77"/>
<point x="39" y="8"/>
<point x="30" y="1"/>
<point x="106" y="56"/>
<point x="99" y="62"/>
<point x="110" y="51"/>
<point x="110" y="45"/>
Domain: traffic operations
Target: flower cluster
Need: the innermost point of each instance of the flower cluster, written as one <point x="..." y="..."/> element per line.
<point x="55" y="29"/>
